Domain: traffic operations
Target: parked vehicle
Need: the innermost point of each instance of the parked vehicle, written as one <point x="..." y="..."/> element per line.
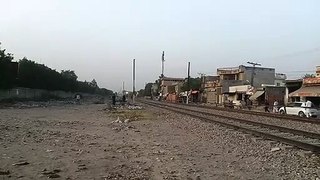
<point x="299" y="109"/>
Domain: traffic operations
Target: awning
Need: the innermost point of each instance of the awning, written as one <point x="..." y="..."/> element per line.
<point x="256" y="95"/>
<point x="306" y="91"/>
<point x="194" y="92"/>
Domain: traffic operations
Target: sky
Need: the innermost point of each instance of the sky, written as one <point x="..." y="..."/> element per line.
<point x="98" y="39"/>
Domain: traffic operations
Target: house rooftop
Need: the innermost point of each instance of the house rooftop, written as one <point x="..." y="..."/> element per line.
<point x="172" y="79"/>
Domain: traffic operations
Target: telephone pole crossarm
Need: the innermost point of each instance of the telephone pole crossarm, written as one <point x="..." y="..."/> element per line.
<point x="254" y="64"/>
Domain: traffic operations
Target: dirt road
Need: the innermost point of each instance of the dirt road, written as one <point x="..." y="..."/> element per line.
<point x="91" y="142"/>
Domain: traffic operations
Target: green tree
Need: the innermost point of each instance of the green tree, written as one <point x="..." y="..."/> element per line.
<point x="147" y="89"/>
<point x="7" y="71"/>
<point x="94" y="83"/>
<point x="39" y="76"/>
<point x="308" y="76"/>
<point x="141" y="93"/>
<point x="69" y="74"/>
<point x="104" y="92"/>
<point x="195" y="84"/>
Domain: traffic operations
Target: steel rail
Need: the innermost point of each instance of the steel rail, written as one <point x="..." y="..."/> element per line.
<point x="280" y="116"/>
<point x="280" y="128"/>
<point x="303" y="145"/>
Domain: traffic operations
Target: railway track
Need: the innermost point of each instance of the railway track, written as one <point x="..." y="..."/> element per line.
<point x="298" y="138"/>
<point x="280" y="116"/>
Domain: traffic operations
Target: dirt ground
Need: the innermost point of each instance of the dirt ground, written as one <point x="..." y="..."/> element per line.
<point x="92" y="142"/>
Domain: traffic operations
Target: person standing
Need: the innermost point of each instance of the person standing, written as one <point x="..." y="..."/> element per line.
<point x="308" y="104"/>
<point x="78" y="97"/>
<point x="124" y="99"/>
<point x="275" y="106"/>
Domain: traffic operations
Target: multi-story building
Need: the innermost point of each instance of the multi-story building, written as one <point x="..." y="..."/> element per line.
<point x="256" y="77"/>
<point x="280" y="79"/>
<point x="208" y="85"/>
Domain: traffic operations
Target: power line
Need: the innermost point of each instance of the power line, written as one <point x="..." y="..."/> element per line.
<point x="297" y="71"/>
<point x="298" y="53"/>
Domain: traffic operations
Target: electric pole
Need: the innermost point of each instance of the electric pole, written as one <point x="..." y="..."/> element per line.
<point x="188" y="83"/>
<point x="162" y="68"/>
<point x="188" y="76"/>
<point x="253" y="69"/>
<point x="134" y="81"/>
<point x="123" y="92"/>
<point x="162" y="76"/>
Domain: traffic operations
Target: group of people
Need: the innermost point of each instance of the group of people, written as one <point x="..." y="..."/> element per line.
<point x="275" y="108"/>
<point x="124" y="98"/>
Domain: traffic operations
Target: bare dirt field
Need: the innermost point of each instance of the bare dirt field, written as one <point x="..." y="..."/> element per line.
<point x="92" y="142"/>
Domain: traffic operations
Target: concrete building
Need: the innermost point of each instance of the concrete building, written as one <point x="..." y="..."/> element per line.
<point x="237" y="94"/>
<point x="242" y="75"/>
<point x="280" y="79"/>
<point x="310" y="90"/>
<point x="170" y="85"/>
<point x="208" y="85"/>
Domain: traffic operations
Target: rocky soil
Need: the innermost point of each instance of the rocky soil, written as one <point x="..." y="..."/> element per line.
<point x="97" y="142"/>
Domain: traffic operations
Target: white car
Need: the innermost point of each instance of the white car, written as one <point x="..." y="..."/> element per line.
<point x="300" y="109"/>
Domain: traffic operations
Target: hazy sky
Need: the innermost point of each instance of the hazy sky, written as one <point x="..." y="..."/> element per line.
<point x="99" y="38"/>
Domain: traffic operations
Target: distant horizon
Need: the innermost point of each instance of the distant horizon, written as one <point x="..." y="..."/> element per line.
<point x="214" y="74"/>
<point x="99" y="39"/>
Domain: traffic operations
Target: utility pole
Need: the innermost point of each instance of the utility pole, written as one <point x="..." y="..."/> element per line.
<point x="162" y="76"/>
<point x="253" y="69"/>
<point x="134" y="81"/>
<point x="188" y="76"/>
<point x="162" y="68"/>
<point x="188" y="82"/>
<point x="123" y="88"/>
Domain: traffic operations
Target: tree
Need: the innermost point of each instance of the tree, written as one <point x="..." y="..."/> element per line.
<point x="141" y="93"/>
<point x="93" y="83"/>
<point x="195" y="84"/>
<point x="39" y="76"/>
<point x="69" y="74"/>
<point x="104" y="92"/>
<point x="8" y="72"/>
<point x="147" y="89"/>
<point x="308" y="76"/>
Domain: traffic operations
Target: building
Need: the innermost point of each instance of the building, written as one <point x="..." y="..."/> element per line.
<point x="169" y="85"/>
<point x="310" y="90"/>
<point x="242" y="75"/>
<point x="270" y="94"/>
<point x="208" y="86"/>
<point x="240" y="93"/>
<point x="280" y="79"/>
<point x="291" y="86"/>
